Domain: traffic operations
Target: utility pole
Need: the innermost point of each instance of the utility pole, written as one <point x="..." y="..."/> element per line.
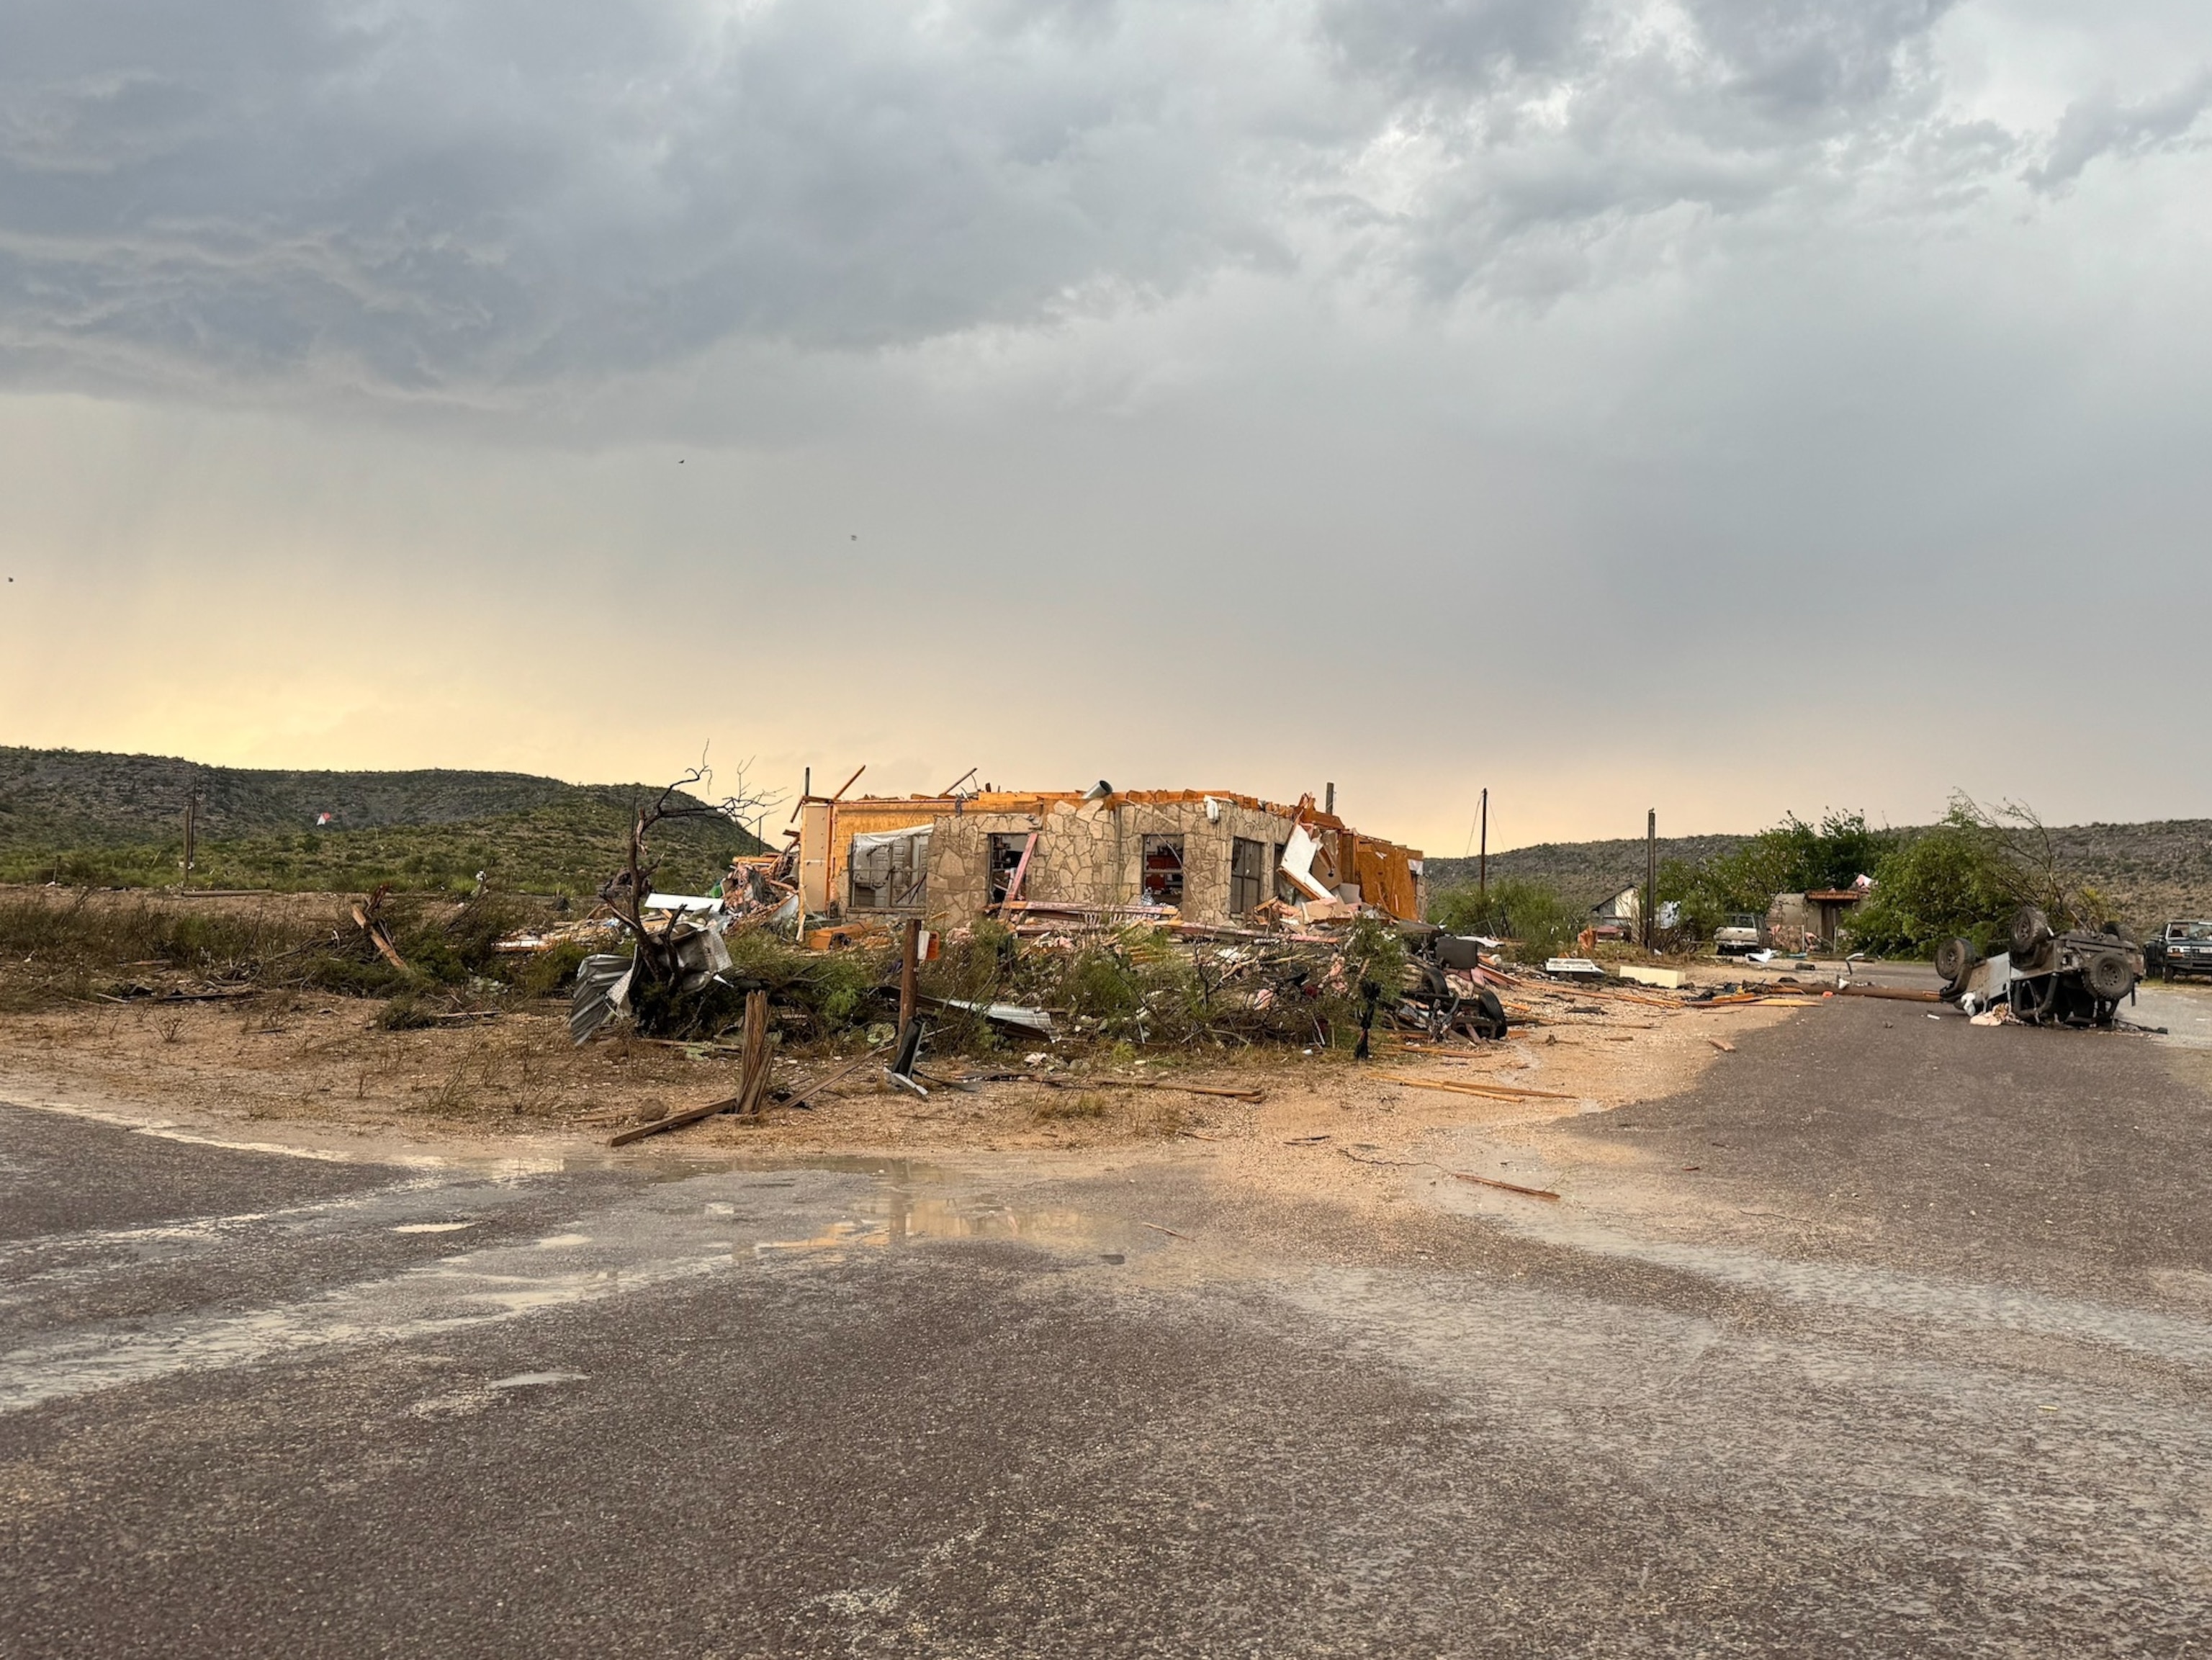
<point x="1650" y="876"/>
<point x="192" y="830"/>
<point x="1482" y="868"/>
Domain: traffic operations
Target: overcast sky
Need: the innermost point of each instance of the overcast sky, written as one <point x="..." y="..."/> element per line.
<point x="1726" y="406"/>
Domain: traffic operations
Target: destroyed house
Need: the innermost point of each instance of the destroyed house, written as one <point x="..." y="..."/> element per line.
<point x="1213" y="856"/>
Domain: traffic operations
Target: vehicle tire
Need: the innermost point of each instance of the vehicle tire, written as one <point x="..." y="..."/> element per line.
<point x="1490" y="1013"/>
<point x="2030" y="929"/>
<point x="1953" y="958"/>
<point x="2109" y="975"/>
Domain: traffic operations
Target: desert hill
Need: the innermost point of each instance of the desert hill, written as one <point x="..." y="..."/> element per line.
<point x="87" y="816"/>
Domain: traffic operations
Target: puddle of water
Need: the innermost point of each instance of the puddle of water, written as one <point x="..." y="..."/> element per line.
<point x="894" y="1215"/>
<point x="837" y="1237"/>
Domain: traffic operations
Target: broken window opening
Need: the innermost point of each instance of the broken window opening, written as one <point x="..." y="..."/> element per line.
<point x="1162" y="873"/>
<point x="1247" y="875"/>
<point x="890" y="871"/>
<point x="1006" y="860"/>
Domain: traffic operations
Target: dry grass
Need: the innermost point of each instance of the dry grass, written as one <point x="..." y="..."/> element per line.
<point x="1068" y="1106"/>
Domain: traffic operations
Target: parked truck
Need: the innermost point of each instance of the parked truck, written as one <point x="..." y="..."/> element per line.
<point x="2182" y="948"/>
<point x="1742" y="937"/>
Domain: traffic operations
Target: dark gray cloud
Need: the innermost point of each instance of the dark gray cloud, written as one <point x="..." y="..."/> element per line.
<point x="2107" y="124"/>
<point x="490" y="199"/>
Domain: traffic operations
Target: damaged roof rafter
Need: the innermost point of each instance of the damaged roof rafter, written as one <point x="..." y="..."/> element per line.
<point x="1038" y="801"/>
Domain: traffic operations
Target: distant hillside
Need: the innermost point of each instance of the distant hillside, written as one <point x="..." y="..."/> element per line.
<point x="1584" y="872"/>
<point x="2153" y="872"/>
<point x="82" y="817"/>
<point x="2149" y="871"/>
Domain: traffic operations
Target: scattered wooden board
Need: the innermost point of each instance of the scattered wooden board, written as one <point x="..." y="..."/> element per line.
<point x="1497" y="1091"/>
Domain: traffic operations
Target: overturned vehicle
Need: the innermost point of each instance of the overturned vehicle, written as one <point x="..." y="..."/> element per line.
<point x="2078" y="978"/>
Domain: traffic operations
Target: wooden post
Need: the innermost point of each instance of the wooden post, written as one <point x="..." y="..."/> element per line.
<point x="1331" y="807"/>
<point x="1650" y="877"/>
<point x="910" y="961"/>
<point x="191" y="828"/>
<point x="1482" y="870"/>
<point x="752" y="1084"/>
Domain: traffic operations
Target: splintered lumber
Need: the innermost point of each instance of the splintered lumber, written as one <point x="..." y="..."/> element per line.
<point x="838" y="1077"/>
<point x="753" y="1086"/>
<point x="1459" y="1086"/>
<point x="1896" y="994"/>
<point x="1722" y="1044"/>
<point x="380" y="939"/>
<point x="1574" y="993"/>
<point x="1254" y="1096"/>
<point x="675" y="1120"/>
<point x="755" y="1082"/>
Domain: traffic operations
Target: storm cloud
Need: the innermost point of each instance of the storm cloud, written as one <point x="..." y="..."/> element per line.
<point x="468" y="200"/>
<point x="1708" y="403"/>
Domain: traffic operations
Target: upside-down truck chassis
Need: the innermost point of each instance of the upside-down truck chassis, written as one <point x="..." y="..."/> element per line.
<point x="2078" y="978"/>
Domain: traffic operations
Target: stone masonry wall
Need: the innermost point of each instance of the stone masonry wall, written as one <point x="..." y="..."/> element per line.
<point x="1093" y="854"/>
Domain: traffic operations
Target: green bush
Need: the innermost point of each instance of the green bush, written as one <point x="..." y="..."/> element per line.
<point x="1793" y="857"/>
<point x="1539" y="918"/>
<point x="406" y="1012"/>
<point x="1965" y="876"/>
<point x="547" y="973"/>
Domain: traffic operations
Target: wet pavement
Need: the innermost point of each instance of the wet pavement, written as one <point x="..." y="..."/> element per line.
<point x="1893" y="1336"/>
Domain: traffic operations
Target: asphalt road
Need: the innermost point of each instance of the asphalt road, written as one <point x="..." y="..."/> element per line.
<point x="1908" y="1350"/>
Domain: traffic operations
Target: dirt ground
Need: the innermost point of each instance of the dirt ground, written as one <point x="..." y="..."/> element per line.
<point x="317" y="1068"/>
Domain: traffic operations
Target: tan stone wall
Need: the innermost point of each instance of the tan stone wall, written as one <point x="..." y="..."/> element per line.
<point x="1093" y="854"/>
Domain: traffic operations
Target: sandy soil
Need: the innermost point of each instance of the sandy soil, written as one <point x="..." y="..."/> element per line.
<point x="317" y="1068"/>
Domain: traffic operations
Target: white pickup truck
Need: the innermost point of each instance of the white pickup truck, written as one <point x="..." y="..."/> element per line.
<point x="1739" y="938"/>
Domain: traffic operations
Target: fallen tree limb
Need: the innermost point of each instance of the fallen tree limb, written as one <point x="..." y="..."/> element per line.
<point x="1252" y="1096"/>
<point x="1504" y="1187"/>
<point x="1456" y="1175"/>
